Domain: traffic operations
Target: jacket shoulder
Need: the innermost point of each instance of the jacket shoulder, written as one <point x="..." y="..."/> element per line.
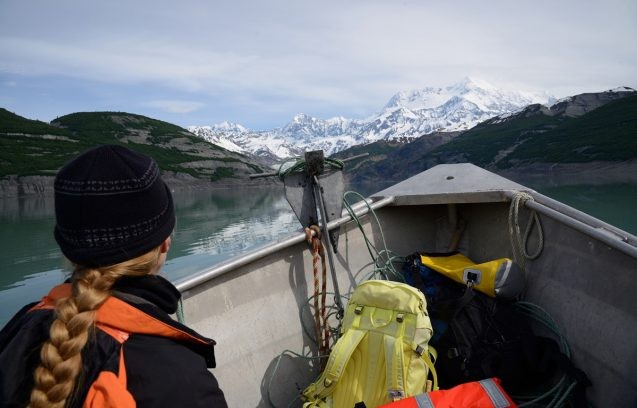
<point x="20" y="342"/>
<point x="166" y="372"/>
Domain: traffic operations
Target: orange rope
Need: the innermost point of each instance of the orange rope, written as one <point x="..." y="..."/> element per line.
<point x="320" y="310"/>
<point x="314" y="247"/>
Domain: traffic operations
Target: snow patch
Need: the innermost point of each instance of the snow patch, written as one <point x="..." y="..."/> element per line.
<point x="410" y="113"/>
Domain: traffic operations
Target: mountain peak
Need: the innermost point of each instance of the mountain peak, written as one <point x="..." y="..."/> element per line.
<point x="227" y="126"/>
<point x="301" y="118"/>
<point x="621" y="89"/>
<point x="475" y="91"/>
<point x="470" y="83"/>
<point x="408" y="114"/>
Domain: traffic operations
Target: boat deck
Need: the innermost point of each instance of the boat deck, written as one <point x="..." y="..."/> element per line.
<point x="254" y="306"/>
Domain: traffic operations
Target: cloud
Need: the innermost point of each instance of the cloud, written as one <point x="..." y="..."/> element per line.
<point x="326" y="57"/>
<point x="175" y="106"/>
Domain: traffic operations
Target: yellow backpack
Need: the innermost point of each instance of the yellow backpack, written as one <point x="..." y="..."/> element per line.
<point x="383" y="353"/>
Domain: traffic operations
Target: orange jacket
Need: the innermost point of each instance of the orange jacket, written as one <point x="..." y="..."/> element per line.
<point x="478" y="394"/>
<point x="138" y="356"/>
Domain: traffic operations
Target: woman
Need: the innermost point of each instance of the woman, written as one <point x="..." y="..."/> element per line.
<point x="105" y="338"/>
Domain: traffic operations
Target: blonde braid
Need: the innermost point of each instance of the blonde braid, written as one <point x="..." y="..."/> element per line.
<point x="61" y="358"/>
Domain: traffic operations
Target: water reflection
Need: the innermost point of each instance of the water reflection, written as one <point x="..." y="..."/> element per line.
<point x="229" y="221"/>
<point x="26" y="236"/>
<point x="212" y="225"/>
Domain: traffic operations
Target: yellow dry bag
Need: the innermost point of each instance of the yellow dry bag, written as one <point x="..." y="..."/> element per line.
<point x="500" y="277"/>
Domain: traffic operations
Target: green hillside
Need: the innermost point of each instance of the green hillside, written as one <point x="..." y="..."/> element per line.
<point x="480" y="144"/>
<point x="584" y="128"/>
<point x="12" y="123"/>
<point x="29" y="147"/>
<point x="607" y="133"/>
<point x="376" y="151"/>
<point x="535" y="135"/>
<point x="391" y="161"/>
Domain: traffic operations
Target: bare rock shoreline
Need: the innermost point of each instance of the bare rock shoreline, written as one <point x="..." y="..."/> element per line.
<point x="597" y="172"/>
<point x="18" y="186"/>
<point x="593" y="173"/>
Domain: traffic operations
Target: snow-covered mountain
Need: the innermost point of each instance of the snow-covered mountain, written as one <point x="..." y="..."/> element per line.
<point x="221" y="134"/>
<point x="407" y="115"/>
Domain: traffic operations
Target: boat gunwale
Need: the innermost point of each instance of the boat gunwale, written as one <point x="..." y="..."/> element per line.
<point x="564" y="214"/>
<point x="192" y="281"/>
<point x="582" y="222"/>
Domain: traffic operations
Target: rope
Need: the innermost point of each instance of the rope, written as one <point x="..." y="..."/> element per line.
<point x="320" y="310"/>
<point x="519" y="243"/>
<point x="289" y="354"/>
<point x="562" y="389"/>
<point x="332" y="313"/>
<point x="384" y="259"/>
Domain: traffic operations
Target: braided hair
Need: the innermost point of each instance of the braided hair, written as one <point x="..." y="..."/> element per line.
<point x="61" y="355"/>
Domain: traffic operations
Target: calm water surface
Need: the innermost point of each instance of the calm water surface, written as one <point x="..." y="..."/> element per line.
<point x="213" y="225"/>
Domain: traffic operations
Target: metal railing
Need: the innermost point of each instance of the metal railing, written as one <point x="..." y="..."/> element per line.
<point x="190" y="282"/>
<point x="582" y="222"/>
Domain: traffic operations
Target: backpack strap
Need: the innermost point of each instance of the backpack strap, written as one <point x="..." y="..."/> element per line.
<point x="430" y="358"/>
<point x="429" y="355"/>
<point x="394" y="363"/>
<point x="395" y="358"/>
<point x="339" y="357"/>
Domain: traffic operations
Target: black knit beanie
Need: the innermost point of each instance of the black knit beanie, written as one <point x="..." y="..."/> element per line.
<point x="111" y="205"/>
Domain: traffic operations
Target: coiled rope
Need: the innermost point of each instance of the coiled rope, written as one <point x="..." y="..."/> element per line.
<point x="519" y="242"/>
<point x="562" y="390"/>
<point x="313" y="237"/>
<point x="383" y="260"/>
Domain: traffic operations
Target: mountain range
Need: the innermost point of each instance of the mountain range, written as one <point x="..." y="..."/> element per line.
<point x="406" y="116"/>
<point x="590" y="131"/>
<point x="586" y="131"/>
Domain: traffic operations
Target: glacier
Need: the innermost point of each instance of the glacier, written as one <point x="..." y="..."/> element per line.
<point x="407" y="115"/>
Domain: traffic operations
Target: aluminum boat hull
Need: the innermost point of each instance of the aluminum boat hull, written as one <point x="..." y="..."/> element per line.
<point x="586" y="278"/>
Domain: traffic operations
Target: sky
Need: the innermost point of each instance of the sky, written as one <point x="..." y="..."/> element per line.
<point x="260" y="62"/>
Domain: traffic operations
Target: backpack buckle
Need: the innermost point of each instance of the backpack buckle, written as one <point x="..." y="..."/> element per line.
<point x="358" y="310"/>
<point x="419" y="349"/>
<point x="396" y="395"/>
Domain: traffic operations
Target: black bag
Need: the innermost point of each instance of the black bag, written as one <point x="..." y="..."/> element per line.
<point x="479" y="337"/>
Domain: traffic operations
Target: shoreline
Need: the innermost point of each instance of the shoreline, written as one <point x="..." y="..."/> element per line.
<point x="29" y="186"/>
<point x="543" y="174"/>
<point x="563" y="174"/>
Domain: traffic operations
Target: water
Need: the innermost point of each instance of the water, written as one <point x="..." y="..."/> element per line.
<point x="213" y="225"/>
<point x="613" y="203"/>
